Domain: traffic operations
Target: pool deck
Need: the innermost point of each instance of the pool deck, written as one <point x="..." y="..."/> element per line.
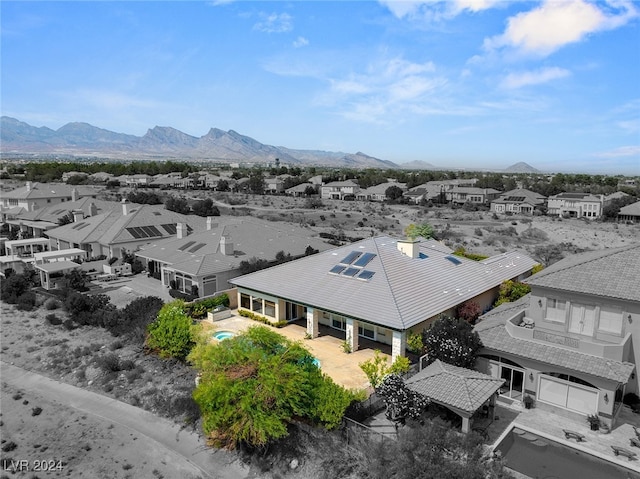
<point x="596" y="443"/>
<point x="343" y="368"/>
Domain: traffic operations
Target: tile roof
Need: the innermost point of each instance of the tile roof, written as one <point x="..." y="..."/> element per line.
<point x="461" y="388"/>
<point x="250" y="237"/>
<point x="402" y="292"/>
<point x="632" y="210"/>
<point x="495" y="337"/>
<point x="51" y="190"/>
<point x="527" y="196"/>
<point x="613" y="273"/>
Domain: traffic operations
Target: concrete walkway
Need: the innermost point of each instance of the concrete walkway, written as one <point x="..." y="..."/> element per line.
<point x="162" y="433"/>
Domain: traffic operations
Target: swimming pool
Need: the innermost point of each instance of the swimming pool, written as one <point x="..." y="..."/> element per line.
<point x="220" y="335"/>
<point x="539" y="457"/>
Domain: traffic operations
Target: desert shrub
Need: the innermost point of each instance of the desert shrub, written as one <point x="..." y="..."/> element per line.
<point x="52" y="319"/>
<point x="91" y="310"/>
<point x="36" y="411"/>
<point x="116" y="345"/>
<point x="127" y="365"/>
<point x="478" y="232"/>
<point x="51" y="304"/>
<point x="170" y="334"/>
<point x="69" y="325"/>
<point x="534" y="234"/>
<point x="109" y="363"/>
<point x="460" y="251"/>
<point x="26" y="301"/>
<point x="131" y="321"/>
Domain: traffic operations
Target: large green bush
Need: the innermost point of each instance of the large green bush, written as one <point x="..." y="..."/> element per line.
<point x="452" y="341"/>
<point x="170" y="335"/>
<point x="254" y="384"/>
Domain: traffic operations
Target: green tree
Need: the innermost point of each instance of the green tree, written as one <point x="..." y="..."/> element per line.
<point x="452" y="341"/>
<point x="393" y="193"/>
<point x="378" y="367"/>
<point x="205" y="208"/>
<point x="170" y="335"/>
<point x="256" y="183"/>
<point x="401" y="401"/>
<point x="414" y="231"/>
<point x="254" y="384"/>
<point x="511" y="291"/>
<point x="178" y="205"/>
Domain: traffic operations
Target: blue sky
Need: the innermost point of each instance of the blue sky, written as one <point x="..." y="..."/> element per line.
<point x="460" y="83"/>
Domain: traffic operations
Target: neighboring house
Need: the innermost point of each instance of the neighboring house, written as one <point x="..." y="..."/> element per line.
<point x="436" y="191"/>
<point x="618" y="195"/>
<point x="470" y="194"/>
<point x="274" y="185"/>
<point x="299" y="190"/>
<point x="378" y="192"/>
<point x="519" y="201"/>
<point x="379" y="288"/>
<point x="209" y="259"/>
<point x="337" y="190"/>
<point x="172" y="181"/>
<point x="101" y="177"/>
<point x="68" y="174"/>
<point x="575" y="205"/>
<point x="129" y="228"/>
<point x="630" y="213"/>
<point x="573" y="343"/>
<point x="39" y="195"/>
<point x="36" y="223"/>
<point x="136" y="180"/>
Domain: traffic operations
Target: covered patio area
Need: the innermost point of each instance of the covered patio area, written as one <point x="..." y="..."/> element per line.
<point x="51" y="273"/>
<point x="463" y="391"/>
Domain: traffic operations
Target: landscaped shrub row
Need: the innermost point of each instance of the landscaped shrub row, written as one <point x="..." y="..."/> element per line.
<point x="199" y="309"/>
<point x="262" y="319"/>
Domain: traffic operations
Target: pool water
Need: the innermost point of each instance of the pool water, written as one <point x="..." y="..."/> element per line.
<point x="539" y="457"/>
<point x="220" y="335"/>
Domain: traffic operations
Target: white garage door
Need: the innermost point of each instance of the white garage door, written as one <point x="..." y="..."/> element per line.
<point x="568" y="395"/>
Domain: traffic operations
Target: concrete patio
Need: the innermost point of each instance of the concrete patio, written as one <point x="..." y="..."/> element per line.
<point x="342" y="367"/>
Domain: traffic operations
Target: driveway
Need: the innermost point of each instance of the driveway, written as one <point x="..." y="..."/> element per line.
<point x="166" y="437"/>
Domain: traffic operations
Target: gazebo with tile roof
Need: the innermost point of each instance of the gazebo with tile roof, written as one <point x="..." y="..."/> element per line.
<point x="460" y="390"/>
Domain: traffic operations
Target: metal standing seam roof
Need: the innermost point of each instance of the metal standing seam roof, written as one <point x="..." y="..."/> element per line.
<point x="57" y="266"/>
<point x="403" y="291"/>
<point x="461" y="388"/>
<point x="613" y="273"/>
<point x="495" y="337"/>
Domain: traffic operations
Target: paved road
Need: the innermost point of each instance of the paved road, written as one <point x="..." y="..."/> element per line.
<point x="161" y="432"/>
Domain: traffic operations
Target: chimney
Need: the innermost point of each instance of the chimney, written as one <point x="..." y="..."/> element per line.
<point x="410" y="248"/>
<point x="226" y="246"/>
<point x="93" y="209"/>
<point x="210" y="223"/>
<point x="125" y="206"/>
<point x="78" y="215"/>
<point x="74" y="195"/>
<point x="33" y="206"/>
<point x="28" y="185"/>
<point x="181" y="230"/>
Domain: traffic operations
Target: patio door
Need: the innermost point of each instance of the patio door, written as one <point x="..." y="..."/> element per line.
<point x="291" y="311"/>
<point x="582" y="319"/>
<point x="513" y="387"/>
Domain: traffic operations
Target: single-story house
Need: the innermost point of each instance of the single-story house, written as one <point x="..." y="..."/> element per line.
<point x="379" y="288"/>
<point x="630" y="212"/>
<point x="572" y="343"/>
<point x="519" y="201"/>
<point x="209" y="259"/>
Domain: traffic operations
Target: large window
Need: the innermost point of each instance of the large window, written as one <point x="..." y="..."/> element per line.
<point x="257" y="305"/>
<point x="209" y="285"/>
<point x="568" y="394"/>
<point x="610" y="320"/>
<point x="270" y="308"/>
<point x="366" y="332"/>
<point x="245" y="301"/>
<point x="555" y="310"/>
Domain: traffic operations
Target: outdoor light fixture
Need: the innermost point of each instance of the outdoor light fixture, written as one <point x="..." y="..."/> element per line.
<point x="530" y="376"/>
<point x="629" y="318"/>
<point x="606" y="398"/>
<point x="540" y="303"/>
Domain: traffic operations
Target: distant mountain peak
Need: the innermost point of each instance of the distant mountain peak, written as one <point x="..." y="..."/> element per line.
<point x="521" y="167"/>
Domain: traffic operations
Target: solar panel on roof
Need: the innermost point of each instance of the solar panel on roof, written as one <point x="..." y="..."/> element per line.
<point x="170" y="228"/>
<point x="350" y="272"/>
<point x="186" y="245"/>
<point x="134" y="232"/>
<point x="196" y="247"/>
<point x="351" y="257"/>
<point x="363" y="260"/>
<point x="366" y="274"/>
<point x="337" y="269"/>
<point x="454" y="260"/>
<point x="151" y="231"/>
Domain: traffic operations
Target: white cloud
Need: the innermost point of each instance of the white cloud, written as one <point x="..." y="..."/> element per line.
<point x="274" y="23"/>
<point x="300" y="42"/>
<point x="554" y="24"/>
<point x="436" y="9"/>
<point x="544" y="75"/>
<point x="620" y="152"/>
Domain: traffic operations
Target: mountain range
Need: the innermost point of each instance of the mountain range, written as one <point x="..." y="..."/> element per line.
<point x="161" y="142"/>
